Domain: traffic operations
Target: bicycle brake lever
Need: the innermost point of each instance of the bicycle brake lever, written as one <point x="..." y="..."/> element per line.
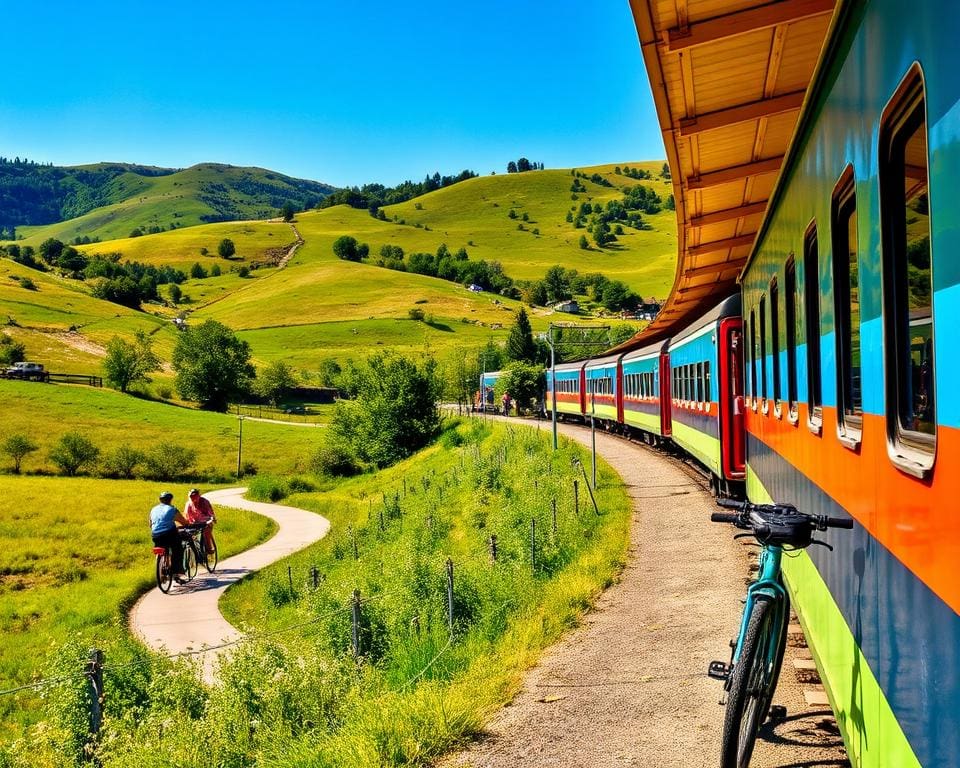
<point x="821" y="543"/>
<point x="745" y="536"/>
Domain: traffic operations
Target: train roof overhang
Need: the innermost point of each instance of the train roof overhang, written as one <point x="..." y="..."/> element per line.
<point x="730" y="79"/>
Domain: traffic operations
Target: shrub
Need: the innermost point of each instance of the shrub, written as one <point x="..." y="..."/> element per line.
<point x="169" y="461"/>
<point x="11" y="351"/>
<point x="215" y="270"/>
<point x="415" y="314"/>
<point x="244" y="271"/>
<point x="267" y="488"/>
<point x="17" y="447"/>
<point x="122" y="462"/>
<point x="197" y="272"/>
<point x="73" y="452"/>
<point x="335" y="458"/>
<point x="226" y="249"/>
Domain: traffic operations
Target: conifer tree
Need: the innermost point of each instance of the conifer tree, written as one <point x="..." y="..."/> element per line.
<point x="520" y="344"/>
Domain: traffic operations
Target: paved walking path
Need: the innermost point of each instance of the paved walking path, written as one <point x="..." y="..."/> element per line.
<point x="188" y="618"/>
<point x="629" y="686"/>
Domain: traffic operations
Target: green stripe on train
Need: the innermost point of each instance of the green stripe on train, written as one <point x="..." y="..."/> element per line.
<point x="647" y="421"/>
<point x="853" y="689"/>
<point x="602" y="411"/>
<point x="704" y="447"/>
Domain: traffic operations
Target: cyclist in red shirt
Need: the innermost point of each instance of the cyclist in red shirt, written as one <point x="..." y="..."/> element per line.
<point x="200" y="510"/>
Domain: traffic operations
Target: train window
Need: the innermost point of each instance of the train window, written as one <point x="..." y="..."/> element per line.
<point x="775" y="341"/>
<point x="699" y="382"/>
<point x="846" y="296"/>
<point x="763" y="350"/>
<point x="790" y="320"/>
<point x="811" y="307"/>
<point x="706" y="382"/>
<point x="753" y="356"/>
<point x="907" y="278"/>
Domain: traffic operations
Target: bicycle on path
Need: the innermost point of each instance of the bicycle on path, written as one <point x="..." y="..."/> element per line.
<point x="165" y="575"/>
<point x="751" y="676"/>
<point x="194" y="539"/>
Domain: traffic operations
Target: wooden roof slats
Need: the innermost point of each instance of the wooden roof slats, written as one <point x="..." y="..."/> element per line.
<point x="743" y="21"/>
<point x="729" y="80"/>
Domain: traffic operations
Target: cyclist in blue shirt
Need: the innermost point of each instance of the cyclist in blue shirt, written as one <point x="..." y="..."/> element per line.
<point x="163" y="527"/>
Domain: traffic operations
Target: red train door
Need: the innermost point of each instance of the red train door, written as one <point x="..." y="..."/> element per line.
<point x="666" y="421"/>
<point x="583" y="389"/>
<point x="732" y="427"/>
<point x="618" y="385"/>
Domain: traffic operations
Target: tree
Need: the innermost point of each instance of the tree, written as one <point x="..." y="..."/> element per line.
<point x="50" y="250"/>
<point x="127" y="363"/>
<point x="274" y="381"/>
<point x="520" y="344"/>
<point x="393" y="411"/>
<point x="665" y="171"/>
<point x="212" y="365"/>
<point x="557" y="284"/>
<point x="287" y="211"/>
<point x="347" y="248"/>
<point x="11" y="351"/>
<point x="226" y="249"/>
<point x="584" y="243"/>
<point x="176" y="293"/>
<point x="73" y="452"/>
<point x="17" y="447"/>
<point x="523" y="381"/>
<point x="511" y="167"/>
<point x="197" y="272"/>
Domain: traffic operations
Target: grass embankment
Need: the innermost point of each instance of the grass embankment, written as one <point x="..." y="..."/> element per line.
<point x="75" y="554"/>
<point x="298" y="697"/>
<point x="45" y="411"/>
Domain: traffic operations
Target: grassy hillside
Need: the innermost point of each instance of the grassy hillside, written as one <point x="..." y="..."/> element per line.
<point x="109" y="419"/>
<point x="119" y="203"/>
<point x="320" y="306"/>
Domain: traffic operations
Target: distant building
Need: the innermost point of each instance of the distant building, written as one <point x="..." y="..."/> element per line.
<point x="570" y="307"/>
<point x="475" y="288"/>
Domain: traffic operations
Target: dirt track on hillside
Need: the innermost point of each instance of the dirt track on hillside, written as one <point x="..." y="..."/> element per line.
<point x="628" y="687"/>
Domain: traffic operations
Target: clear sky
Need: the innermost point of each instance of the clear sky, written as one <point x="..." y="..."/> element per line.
<point x="341" y="91"/>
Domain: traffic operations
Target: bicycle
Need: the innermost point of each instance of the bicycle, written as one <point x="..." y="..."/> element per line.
<point x="757" y="654"/>
<point x="195" y="540"/>
<point x="165" y="575"/>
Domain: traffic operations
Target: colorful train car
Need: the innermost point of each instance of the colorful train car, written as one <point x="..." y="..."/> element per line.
<point x="705" y="373"/>
<point x="604" y="391"/>
<point x="568" y="381"/>
<point x="852" y="301"/>
<point x="646" y="390"/>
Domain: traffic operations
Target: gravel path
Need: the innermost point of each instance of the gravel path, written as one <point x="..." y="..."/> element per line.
<point x="628" y="687"/>
<point x="188" y="619"/>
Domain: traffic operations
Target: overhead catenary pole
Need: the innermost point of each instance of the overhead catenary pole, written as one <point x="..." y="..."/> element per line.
<point x="239" y="445"/>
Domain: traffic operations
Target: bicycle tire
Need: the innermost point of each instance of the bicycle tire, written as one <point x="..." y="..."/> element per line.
<point x="751" y="687"/>
<point x="189" y="560"/>
<point x="210" y="557"/>
<point x="164" y="574"/>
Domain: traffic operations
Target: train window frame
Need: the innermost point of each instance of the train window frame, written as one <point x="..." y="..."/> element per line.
<point x="911" y="450"/>
<point x="790" y="326"/>
<point x="844" y="217"/>
<point x="699" y="380"/>
<point x="774" y="293"/>
<point x="753" y="360"/>
<point x="812" y="327"/>
<point x="706" y="386"/>
<point x="764" y="403"/>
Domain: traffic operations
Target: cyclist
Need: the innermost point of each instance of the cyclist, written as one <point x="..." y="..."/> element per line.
<point x="199" y="510"/>
<point x="164" y="518"/>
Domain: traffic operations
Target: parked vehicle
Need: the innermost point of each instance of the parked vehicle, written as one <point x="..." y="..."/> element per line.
<point x="27" y="371"/>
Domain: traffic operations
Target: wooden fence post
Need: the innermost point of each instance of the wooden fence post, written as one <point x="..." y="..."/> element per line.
<point x="450" y="595"/>
<point x="493" y="548"/>
<point x="533" y="544"/>
<point x="94" y="675"/>
<point x="355" y="615"/>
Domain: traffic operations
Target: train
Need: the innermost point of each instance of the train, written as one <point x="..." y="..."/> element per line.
<point x="824" y="378"/>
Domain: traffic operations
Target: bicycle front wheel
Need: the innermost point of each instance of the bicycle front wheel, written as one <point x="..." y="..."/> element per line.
<point x="189" y="560"/>
<point x="752" y="683"/>
<point x="164" y="573"/>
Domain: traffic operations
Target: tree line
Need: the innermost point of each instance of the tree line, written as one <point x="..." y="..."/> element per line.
<point x="372" y="197"/>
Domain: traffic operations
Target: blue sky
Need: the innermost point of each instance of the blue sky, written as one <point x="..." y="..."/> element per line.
<point x="342" y="92"/>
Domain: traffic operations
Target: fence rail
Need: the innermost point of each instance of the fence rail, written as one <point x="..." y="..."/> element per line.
<point x="56" y="378"/>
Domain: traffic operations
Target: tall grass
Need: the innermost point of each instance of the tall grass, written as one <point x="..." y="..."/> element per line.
<point x="297" y="696"/>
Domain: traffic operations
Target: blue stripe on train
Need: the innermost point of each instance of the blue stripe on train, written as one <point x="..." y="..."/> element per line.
<point x="898" y="622"/>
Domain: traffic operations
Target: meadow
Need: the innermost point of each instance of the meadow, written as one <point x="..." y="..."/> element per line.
<point x="297" y="695"/>
<point x="76" y="554"/>
<point x="110" y="419"/>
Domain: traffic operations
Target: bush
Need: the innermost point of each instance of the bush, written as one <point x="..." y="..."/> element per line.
<point x="267" y="488"/>
<point x="73" y="452"/>
<point x="335" y="458"/>
<point x="11" y="351"/>
<point x="226" y="249"/>
<point x="169" y="461"/>
<point x="122" y="462"/>
<point x="416" y="314"/>
<point x="244" y="271"/>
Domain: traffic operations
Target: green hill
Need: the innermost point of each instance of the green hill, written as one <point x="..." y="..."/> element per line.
<point x="111" y="200"/>
<point x="319" y="306"/>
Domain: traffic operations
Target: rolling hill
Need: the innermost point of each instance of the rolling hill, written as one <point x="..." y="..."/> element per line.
<point x="110" y="200"/>
<point x="320" y="307"/>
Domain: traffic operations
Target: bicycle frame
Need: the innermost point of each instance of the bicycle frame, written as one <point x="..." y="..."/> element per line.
<point x="767" y="583"/>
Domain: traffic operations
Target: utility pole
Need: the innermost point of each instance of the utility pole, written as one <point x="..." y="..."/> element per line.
<point x="239" y="445"/>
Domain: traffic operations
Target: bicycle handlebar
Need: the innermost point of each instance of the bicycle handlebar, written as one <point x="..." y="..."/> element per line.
<point x="744" y="509"/>
<point x="723" y="517"/>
